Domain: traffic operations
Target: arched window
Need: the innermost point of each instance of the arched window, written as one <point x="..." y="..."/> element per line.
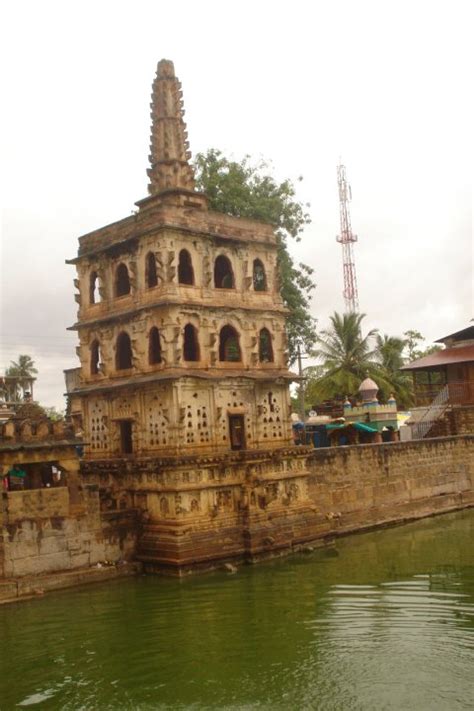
<point x="95" y="357"/>
<point x="265" y="348"/>
<point x="229" y="348"/>
<point x="223" y="274"/>
<point x="191" y="343"/>
<point x="185" y="268"/>
<point x="259" y="277"/>
<point x="123" y="352"/>
<point x="154" y="346"/>
<point x="94" y="295"/>
<point x="151" y="276"/>
<point x="122" y="280"/>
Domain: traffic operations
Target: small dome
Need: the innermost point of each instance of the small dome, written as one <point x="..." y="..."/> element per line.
<point x="368" y="384"/>
<point x="368" y="390"/>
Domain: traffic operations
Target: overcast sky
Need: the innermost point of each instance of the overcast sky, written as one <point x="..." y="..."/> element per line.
<point x="385" y="85"/>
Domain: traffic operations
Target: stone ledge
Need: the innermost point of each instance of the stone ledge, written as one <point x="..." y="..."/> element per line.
<point x="30" y="586"/>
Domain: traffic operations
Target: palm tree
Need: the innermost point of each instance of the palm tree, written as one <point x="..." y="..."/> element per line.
<point x="389" y="355"/>
<point x="389" y="351"/>
<point x="24" y="370"/>
<point x="346" y="359"/>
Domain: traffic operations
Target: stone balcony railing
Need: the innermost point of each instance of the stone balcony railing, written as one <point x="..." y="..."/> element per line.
<point x="34" y="431"/>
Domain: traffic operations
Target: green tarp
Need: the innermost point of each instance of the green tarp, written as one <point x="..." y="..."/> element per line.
<point x="364" y="428"/>
<point x="356" y="425"/>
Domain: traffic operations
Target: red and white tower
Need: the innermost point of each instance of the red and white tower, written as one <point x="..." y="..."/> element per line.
<point x="347" y="238"/>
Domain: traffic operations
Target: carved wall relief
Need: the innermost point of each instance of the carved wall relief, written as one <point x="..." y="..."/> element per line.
<point x="98" y="433"/>
<point x="160" y="266"/>
<point x="224" y="500"/>
<point x="164" y="506"/>
<point x="171" y="267"/>
<point x="157" y="420"/>
<point x="271" y="414"/>
<point x="207" y="270"/>
<point x="196" y="417"/>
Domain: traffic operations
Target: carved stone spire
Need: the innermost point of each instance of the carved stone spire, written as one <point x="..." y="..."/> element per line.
<point x="169" y="156"/>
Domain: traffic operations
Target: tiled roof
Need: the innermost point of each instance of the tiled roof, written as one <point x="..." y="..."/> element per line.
<point x="463" y="354"/>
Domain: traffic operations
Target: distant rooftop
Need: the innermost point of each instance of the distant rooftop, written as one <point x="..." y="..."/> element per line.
<point x="466" y="334"/>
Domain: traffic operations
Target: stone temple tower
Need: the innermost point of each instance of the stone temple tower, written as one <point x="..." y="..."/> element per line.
<point x="182" y="392"/>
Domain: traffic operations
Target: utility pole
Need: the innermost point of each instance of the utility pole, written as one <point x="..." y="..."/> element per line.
<point x="347" y="238"/>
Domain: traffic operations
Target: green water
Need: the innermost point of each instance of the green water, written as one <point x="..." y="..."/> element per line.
<point x="383" y="621"/>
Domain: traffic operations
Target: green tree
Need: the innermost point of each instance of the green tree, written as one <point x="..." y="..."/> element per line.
<point x="413" y="342"/>
<point x="54" y="414"/>
<point x="245" y="189"/>
<point x="390" y="358"/>
<point x="346" y="359"/>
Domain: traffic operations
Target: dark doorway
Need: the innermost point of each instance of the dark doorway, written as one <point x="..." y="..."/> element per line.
<point x="150" y="271"/>
<point x="223" y="274"/>
<point x="185" y="268"/>
<point x="191" y="343"/>
<point x="229" y="349"/>
<point x="237" y="431"/>
<point x="126" y="438"/>
<point x="122" y="280"/>
<point x="123" y="352"/>
<point x="259" y="278"/>
<point x="265" y="349"/>
<point x="154" y="346"/>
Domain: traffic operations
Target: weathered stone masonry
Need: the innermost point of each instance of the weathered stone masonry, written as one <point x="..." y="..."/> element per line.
<point x="182" y="394"/>
<point x="44" y="532"/>
<point x="368" y="485"/>
<point x="348" y="489"/>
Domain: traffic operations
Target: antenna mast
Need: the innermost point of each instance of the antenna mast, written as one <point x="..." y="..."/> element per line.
<point x="346" y="238"/>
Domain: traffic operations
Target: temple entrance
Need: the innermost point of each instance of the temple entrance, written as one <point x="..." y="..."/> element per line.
<point x="237" y="431"/>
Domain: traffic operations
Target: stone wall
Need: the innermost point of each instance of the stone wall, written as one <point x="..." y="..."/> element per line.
<point x="459" y="419"/>
<point x="41" y="531"/>
<point x="247" y="510"/>
<point x="367" y="485"/>
<point x="462" y="419"/>
<point x="198" y="514"/>
<point x="35" y="504"/>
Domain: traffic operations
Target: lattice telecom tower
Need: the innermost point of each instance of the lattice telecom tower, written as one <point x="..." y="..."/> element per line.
<point x="346" y="238"/>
